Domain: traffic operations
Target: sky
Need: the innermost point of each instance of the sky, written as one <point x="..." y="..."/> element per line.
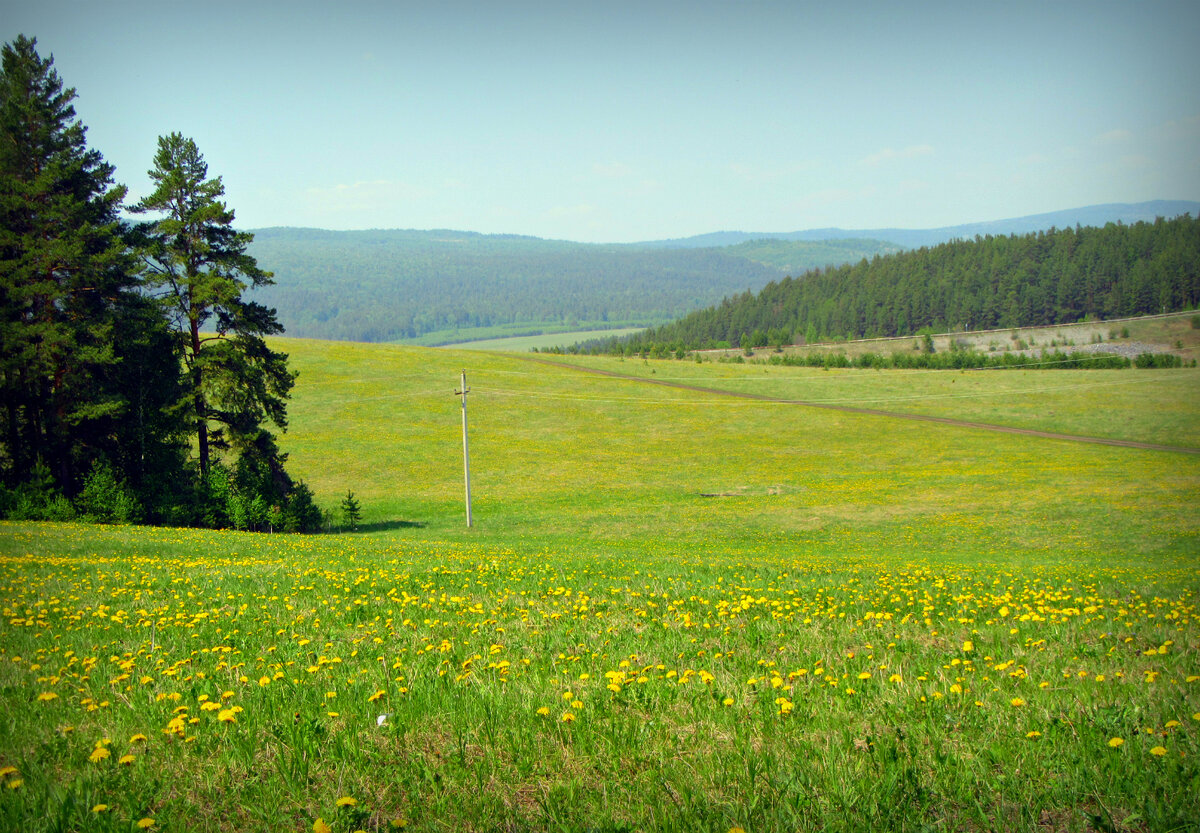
<point x="631" y="121"/>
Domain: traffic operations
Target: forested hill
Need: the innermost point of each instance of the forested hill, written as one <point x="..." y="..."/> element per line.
<point x="989" y="282"/>
<point x="387" y="285"/>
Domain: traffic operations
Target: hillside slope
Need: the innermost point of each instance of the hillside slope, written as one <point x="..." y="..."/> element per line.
<point x="992" y="282"/>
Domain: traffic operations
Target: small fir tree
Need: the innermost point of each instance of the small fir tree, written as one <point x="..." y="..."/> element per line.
<point x="351" y="511"/>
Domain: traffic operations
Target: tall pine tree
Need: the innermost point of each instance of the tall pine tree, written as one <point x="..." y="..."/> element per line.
<point x="66" y="279"/>
<point x="197" y="267"/>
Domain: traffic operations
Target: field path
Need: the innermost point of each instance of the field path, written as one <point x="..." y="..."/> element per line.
<point x="960" y="423"/>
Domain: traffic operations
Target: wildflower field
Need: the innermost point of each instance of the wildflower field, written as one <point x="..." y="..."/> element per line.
<point x="676" y="611"/>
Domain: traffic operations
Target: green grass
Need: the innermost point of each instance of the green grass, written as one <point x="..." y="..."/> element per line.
<point x="809" y="620"/>
<point x="1138" y="405"/>
<point x="527" y="334"/>
<point x="523" y="344"/>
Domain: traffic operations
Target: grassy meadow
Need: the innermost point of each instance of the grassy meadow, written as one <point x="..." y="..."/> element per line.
<point x="675" y="611"/>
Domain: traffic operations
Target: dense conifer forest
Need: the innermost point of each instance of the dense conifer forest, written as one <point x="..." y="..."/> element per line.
<point x="135" y="381"/>
<point x="1050" y="277"/>
<point x="393" y="284"/>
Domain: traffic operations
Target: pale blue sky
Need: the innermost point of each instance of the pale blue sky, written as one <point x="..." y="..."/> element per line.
<point x="640" y="120"/>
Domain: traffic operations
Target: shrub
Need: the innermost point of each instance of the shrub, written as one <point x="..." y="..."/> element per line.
<point x="107" y="499"/>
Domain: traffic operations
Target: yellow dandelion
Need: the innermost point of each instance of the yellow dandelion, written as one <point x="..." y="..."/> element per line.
<point x="376" y="696"/>
<point x="865" y="675"/>
<point x="895" y="678"/>
<point x="15" y="783"/>
<point x="227" y="716"/>
<point x="138" y="738"/>
<point x="99" y="808"/>
<point x="126" y="760"/>
<point x="1033" y="735"/>
<point x="146" y="823"/>
<point x="98" y="755"/>
<point x="1016" y="702"/>
<point x="47" y="696"/>
<point x="968" y="646"/>
<point x="346" y="801"/>
<point x="319" y="826"/>
<point x="544" y="711"/>
<point x="728" y="701"/>
<point x="264" y="681"/>
<point x="1115" y="742"/>
<point x="567" y="717"/>
<point x="6" y="771"/>
<point x="1158" y="751"/>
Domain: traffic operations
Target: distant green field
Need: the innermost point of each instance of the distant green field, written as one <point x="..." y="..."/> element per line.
<point x="543" y="334"/>
<point x="676" y="611"/>
<point x="523" y="344"/>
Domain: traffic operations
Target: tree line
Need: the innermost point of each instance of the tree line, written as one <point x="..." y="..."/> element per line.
<point x="1049" y="277"/>
<point x="135" y="378"/>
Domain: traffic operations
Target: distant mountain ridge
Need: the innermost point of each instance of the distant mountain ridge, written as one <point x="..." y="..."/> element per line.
<point x="443" y="286"/>
<point x="1091" y="215"/>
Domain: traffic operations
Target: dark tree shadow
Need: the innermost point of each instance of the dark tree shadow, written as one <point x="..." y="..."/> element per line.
<point x="385" y="526"/>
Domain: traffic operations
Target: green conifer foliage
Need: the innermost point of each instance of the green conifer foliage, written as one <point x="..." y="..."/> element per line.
<point x="65" y="278"/>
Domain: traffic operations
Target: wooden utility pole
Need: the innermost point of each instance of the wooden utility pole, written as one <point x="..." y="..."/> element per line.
<point x="466" y="453"/>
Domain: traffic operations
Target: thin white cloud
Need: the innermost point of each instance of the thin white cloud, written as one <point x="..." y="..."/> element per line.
<point x="611" y="170"/>
<point x="890" y="154"/>
<point x="1114" y="137"/>
<point x="758" y="174"/>
<point x="575" y="211"/>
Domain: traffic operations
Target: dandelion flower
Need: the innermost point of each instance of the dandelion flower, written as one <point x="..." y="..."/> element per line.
<point x="1016" y="702"/>
<point x="138" y="738"/>
<point x="728" y="701"/>
<point x="6" y="771"/>
<point x="346" y="801"/>
<point x="376" y="696"/>
<point x="895" y="678"/>
<point x="319" y="826"/>
<point x="47" y="696"/>
<point x="968" y="646"/>
<point x="1158" y="751"/>
<point x="543" y="711"/>
<point x="1115" y="742"/>
<point x="227" y="716"/>
<point x="1033" y="735"/>
<point x="865" y="675"/>
<point x="568" y="717"/>
<point x="15" y="783"/>
<point x="99" y="808"/>
<point x="146" y="823"/>
<point x="126" y="760"/>
<point x="98" y="755"/>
